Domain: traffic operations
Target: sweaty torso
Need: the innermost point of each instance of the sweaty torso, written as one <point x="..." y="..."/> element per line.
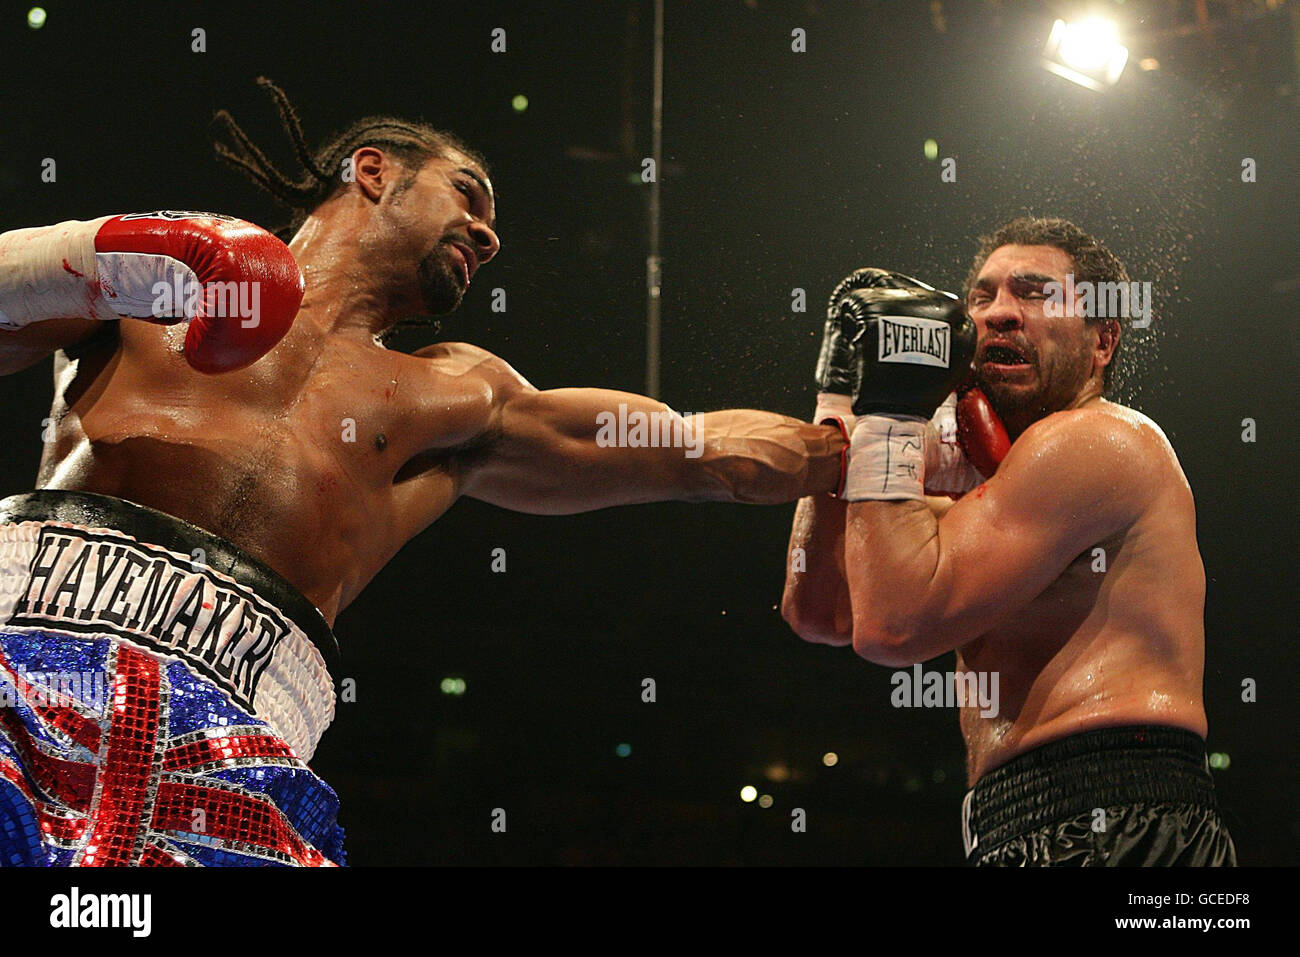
<point x="322" y="459"/>
<point x="1117" y="639"/>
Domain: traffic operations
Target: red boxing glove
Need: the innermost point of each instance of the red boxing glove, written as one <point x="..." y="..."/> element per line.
<point x="981" y="434"/>
<point x="965" y="442"/>
<point x="238" y="285"/>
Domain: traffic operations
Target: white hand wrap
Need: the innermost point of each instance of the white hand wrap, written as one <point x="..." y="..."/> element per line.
<point x="50" y="272"/>
<point x="947" y="470"/>
<point x="835" y="408"/>
<point x="886" y="459"/>
<point x="832" y="405"/>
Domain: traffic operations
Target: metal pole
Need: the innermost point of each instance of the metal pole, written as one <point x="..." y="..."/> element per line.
<point x="652" y="259"/>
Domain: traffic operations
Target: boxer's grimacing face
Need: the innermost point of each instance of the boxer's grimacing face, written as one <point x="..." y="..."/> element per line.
<point x="1028" y="363"/>
<point x="442" y="221"/>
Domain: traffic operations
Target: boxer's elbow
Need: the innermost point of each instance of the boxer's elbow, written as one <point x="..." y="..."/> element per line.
<point x="892" y="643"/>
<point x="812" y="624"/>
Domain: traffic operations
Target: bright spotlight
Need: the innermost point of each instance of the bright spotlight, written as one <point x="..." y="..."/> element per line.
<point x="1087" y="53"/>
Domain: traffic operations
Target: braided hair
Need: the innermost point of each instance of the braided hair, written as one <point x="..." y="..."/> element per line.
<point x="412" y="143"/>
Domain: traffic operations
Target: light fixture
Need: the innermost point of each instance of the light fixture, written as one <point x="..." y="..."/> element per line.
<point x="1087" y="53"/>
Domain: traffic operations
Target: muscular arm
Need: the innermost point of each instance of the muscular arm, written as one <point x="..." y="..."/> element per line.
<point x="816" y="602"/>
<point x="22" y="348"/>
<point x="923" y="585"/>
<point x="547" y="452"/>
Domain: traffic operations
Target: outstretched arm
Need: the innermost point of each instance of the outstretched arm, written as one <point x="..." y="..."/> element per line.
<point x="562" y="451"/>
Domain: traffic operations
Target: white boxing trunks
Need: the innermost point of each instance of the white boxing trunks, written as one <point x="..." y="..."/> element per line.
<point x="160" y="695"/>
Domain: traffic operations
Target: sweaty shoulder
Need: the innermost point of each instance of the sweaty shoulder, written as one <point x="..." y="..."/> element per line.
<point x="462" y="359"/>
<point x="1117" y="453"/>
<point x="464" y="390"/>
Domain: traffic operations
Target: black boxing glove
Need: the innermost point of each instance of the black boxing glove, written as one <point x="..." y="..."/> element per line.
<point x="837" y="365"/>
<point x="914" y="346"/>
<point x="837" y="370"/>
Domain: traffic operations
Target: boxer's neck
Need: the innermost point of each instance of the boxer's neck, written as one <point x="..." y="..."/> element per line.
<point x="351" y="285"/>
<point x="1016" y="421"/>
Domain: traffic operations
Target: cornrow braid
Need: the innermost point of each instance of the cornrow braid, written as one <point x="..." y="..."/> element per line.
<point x="411" y="142"/>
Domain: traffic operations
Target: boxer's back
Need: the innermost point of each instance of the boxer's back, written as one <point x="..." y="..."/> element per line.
<point x="1117" y="639"/>
<point x="321" y="459"/>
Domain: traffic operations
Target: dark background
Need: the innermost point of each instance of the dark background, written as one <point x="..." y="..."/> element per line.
<point x="782" y="170"/>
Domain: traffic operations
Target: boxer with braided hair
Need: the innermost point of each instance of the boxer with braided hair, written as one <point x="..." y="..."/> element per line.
<point x="218" y="487"/>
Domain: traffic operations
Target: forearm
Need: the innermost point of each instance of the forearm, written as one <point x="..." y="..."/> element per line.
<point x="575" y="450"/>
<point x="816" y="601"/>
<point x="744" y="455"/>
<point x="891" y="554"/>
<point x="49" y="292"/>
<point x="20" y="348"/>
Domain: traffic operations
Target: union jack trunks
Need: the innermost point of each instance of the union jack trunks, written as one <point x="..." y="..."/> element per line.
<point x="161" y="693"/>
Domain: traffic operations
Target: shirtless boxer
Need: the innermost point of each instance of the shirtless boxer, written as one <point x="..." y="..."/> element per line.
<point x="1096" y="755"/>
<point x="268" y="490"/>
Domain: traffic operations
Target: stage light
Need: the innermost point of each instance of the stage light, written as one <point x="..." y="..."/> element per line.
<point x="748" y="793"/>
<point x="1219" y="760"/>
<point x="519" y="103"/>
<point x="623" y="750"/>
<point x="765" y="801"/>
<point x="830" y="759"/>
<point x="36" y="18"/>
<point x="931" y="150"/>
<point x="1087" y="53"/>
<point x="452" y="686"/>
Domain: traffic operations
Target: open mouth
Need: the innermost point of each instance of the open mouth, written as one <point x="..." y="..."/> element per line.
<point x="1003" y="361"/>
<point x="1003" y="356"/>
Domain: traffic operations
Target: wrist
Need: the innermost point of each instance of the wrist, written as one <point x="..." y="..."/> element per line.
<point x="50" y="272"/>
<point x="886" y="459"/>
<point x="833" y="405"/>
<point x="836" y="409"/>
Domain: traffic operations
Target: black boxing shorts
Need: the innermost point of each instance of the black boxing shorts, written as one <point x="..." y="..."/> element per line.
<point x="1115" y="797"/>
<point x="161" y="693"/>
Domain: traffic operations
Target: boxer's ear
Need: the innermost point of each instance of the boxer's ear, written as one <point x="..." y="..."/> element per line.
<point x="372" y="171"/>
<point x="1108" y="333"/>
